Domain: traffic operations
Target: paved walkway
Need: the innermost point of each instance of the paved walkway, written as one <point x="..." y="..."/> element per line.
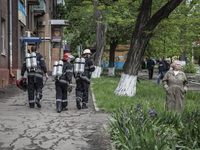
<point x="44" y="129"/>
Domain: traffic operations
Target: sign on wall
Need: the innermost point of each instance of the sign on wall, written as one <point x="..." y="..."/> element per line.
<point x="57" y="34"/>
<point x="21" y="13"/>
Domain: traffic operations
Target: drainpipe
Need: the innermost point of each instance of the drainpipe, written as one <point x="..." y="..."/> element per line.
<point x="11" y="73"/>
<point x="25" y="7"/>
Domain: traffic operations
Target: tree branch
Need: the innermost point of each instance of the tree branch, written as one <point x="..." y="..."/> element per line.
<point x="107" y="4"/>
<point x="143" y="16"/>
<point x="161" y="14"/>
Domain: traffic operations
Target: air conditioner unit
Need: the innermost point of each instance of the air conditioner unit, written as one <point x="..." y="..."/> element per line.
<point x="41" y="23"/>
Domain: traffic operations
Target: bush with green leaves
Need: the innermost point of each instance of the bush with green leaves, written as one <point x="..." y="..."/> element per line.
<point x="190" y="68"/>
<point x="135" y="128"/>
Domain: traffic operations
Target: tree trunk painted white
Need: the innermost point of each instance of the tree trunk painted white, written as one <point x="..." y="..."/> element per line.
<point x="111" y="71"/>
<point x="97" y="72"/>
<point x="127" y="85"/>
<point x="101" y="28"/>
<point x="182" y="63"/>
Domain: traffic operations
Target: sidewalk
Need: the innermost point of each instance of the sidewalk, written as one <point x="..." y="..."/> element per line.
<point x="143" y="74"/>
<point x="24" y="128"/>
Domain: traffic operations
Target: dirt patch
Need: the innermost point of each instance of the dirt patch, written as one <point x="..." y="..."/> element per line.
<point x="9" y="90"/>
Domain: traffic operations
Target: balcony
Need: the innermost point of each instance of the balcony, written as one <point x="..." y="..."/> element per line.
<point x="40" y="9"/>
<point x="33" y="2"/>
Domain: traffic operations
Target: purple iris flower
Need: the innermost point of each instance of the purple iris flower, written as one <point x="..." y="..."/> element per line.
<point x="122" y="118"/>
<point x="126" y="130"/>
<point x="151" y="111"/>
<point x="121" y="126"/>
<point x="160" y="137"/>
<point x="156" y="114"/>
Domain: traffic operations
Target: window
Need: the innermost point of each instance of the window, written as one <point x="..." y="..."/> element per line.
<point x="2" y="36"/>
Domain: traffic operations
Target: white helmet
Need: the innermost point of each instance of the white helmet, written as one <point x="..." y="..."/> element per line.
<point x="87" y="51"/>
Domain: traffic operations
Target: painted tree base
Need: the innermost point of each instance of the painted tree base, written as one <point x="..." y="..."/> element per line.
<point x="182" y="63"/>
<point x="97" y="72"/>
<point x="111" y="71"/>
<point x="127" y="85"/>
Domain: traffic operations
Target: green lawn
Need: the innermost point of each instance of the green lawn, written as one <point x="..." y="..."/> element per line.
<point x="135" y="120"/>
<point x="150" y="94"/>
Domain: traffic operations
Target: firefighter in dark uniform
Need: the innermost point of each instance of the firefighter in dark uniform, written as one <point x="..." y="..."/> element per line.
<point x="83" y="81"/>
<point x="62" y="83"/>
<point x="35" y="78"/>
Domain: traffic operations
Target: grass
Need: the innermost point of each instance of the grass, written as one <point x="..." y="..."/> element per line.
<point x="150" y="94"/>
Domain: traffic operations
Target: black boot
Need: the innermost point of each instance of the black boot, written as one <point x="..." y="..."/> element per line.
<point x="78" y="101"/>
<point x="31" y="105"/>
<point x="84" y="106"/>
<point x="64" y="106"/>
<point x="64" y="109"/>
<point x="59" y="106"/>
<point x="38" y="103"/>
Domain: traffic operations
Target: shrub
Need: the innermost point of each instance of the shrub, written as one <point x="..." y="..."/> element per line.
<point x="189" y="68"/>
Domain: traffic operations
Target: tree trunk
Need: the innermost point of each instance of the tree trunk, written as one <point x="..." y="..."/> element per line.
<point x="111" y="71"/>
<point x="199" y="61"/>
<point x="182" y="58"/>
<point x="141" y="35"/>
<point x="101" y="28"/>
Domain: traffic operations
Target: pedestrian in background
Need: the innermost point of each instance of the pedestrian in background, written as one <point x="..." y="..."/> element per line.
<point x="175" y="83"/>
<point x="162" y="69"/>
<point x="150" y="67"/>
<point x="167" y="65"/>
<point x="83" y="81"/>
<point x="62" y="83"/>
<point x="35" y="78"/>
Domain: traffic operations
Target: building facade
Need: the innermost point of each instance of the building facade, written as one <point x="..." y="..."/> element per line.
<point x="26" y="18"/>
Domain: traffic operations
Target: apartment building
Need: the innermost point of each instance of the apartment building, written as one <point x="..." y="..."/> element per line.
<point x="22" y="21"/>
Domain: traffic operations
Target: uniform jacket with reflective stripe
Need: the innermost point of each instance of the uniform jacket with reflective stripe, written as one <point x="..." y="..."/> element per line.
<point x="89" y="67"/>
<point x="67" y="72"/>
<point x="40" y="64"/>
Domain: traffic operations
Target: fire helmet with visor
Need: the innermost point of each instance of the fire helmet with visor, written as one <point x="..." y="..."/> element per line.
<point x="67" y="56"/>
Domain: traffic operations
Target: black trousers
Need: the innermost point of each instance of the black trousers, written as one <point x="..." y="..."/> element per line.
<point x="150" y="73"/>
<point x="82" y="88"/>
<point x="35" y="84"/>
<point x="61" y="93"/>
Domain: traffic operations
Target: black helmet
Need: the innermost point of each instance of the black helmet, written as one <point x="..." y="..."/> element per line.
<point x="21" y="83"/>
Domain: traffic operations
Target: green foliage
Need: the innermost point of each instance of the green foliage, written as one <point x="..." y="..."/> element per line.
<point x="138" y="128"/>
<point x="176" y="33"/>
<point x="82" y="31"/>
<point x="190" y="68"/>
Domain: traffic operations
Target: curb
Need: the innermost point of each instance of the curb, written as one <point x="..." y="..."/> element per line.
<point x="97" y="109"/>
<point x="94" y="100"/>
